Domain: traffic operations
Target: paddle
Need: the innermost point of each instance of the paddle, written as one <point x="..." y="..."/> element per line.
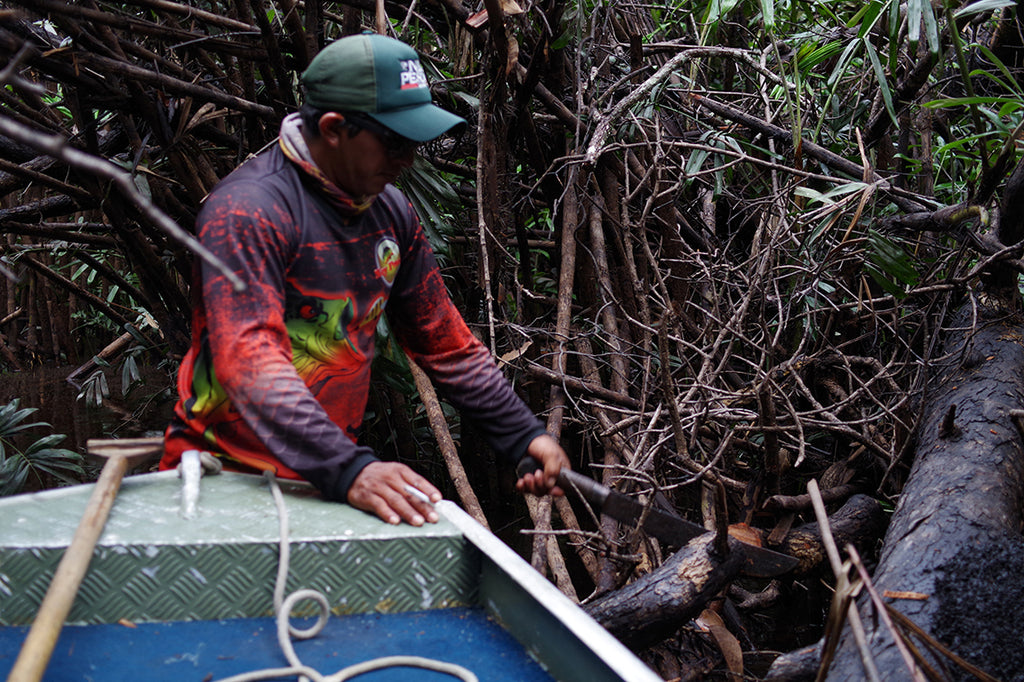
<point x="42" y="636"/>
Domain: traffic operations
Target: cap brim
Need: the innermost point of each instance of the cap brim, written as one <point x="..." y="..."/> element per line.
<point x="420" y="123"/>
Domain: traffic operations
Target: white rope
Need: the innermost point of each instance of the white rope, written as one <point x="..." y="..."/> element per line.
<point x="286" y="632"/>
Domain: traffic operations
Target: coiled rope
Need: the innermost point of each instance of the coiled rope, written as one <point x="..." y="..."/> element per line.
<point x="286" y="632"/>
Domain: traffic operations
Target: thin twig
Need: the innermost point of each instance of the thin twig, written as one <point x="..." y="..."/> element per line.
<point x="57" y="147"/>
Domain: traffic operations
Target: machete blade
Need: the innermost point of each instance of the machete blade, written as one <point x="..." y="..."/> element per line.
<point x="757" y="561"/>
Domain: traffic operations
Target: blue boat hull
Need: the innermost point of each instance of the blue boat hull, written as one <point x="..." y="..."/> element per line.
<point x="191" y="598"/>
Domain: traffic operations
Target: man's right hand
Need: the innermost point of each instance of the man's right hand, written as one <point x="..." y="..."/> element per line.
<point x="552" y="459"/>
<point x="380" y="488"/>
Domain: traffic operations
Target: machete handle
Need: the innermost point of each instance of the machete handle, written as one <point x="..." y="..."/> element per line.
<point x="568" y="480"/>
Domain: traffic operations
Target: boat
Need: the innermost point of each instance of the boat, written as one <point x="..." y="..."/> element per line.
<point x="183" y="581"/>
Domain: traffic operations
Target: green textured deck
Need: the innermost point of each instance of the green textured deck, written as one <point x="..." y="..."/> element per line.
<point x="152" y="565"/>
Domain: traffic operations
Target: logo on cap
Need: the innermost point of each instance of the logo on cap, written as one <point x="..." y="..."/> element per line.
<point x="412" y="75"/>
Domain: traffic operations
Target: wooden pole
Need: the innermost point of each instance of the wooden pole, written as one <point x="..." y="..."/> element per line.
<point x="42" y="636"/>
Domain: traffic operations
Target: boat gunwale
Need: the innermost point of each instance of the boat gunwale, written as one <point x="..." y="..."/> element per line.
<point x="553" y="629"/>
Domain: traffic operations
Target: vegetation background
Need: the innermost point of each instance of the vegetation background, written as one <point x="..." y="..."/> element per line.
<point x="713" y="244"/>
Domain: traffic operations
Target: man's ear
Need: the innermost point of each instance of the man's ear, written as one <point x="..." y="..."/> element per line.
<point x="332" y="126"/>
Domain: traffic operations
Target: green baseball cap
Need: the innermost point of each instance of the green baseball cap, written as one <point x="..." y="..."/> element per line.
<point x="381" y="77"/>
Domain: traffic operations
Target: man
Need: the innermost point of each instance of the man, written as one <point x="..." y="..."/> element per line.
<point x="278" y="375"/>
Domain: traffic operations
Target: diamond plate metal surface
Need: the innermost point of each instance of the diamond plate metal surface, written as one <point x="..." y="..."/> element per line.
<point x="152" y="566"/>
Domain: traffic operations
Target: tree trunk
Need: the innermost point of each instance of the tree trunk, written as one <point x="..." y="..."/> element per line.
<point x="958" y="522"/>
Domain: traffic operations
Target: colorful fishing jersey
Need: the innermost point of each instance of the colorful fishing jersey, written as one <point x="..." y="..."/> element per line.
<point x="278" y="374"/>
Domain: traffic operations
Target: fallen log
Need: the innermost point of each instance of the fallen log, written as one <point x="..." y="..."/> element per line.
<point x="655" y="605"/>
<point x="658" y="603"/>
<point x="858" y="522"/>
<point x="800" y="665"/>
<point x="957" y="526"/>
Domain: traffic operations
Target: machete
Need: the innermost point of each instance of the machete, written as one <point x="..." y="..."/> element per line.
<point x="757" y="561"/>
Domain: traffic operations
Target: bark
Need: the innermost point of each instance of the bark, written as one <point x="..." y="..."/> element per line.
<point x="559" y="379"/>
<point x="658" y="603"/>
<point x="965" y="488"/>
<point x="803" y="502"/>
<point x="609" y="306"/>
<point x="796" y="666"/>
<point x="858" y="522"/>
<point x="651" y="608"/>
<point x="557" y="397"/>
<point x="1011" y="224"/>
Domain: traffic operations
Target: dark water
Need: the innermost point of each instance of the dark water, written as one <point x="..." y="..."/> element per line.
<point x="144" y="412"/>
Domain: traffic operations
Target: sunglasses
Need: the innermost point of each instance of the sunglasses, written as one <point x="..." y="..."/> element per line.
<point x="395" y="145"/>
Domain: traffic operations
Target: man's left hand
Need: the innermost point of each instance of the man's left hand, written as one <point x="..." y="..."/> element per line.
<point x="552" y="457"/>
<point x="383" y="488"/>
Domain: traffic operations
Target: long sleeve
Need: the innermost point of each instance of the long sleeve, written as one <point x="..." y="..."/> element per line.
<point x="252" y="351"/>
<point x="432" y="331"/>
<point x="278" y="374"/>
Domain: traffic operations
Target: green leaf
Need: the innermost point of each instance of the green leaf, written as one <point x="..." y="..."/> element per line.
<point x="768" y="14"/>
<point x="434" y="200"/>
<point x="130" y="374"/>
<point x="829" y="196"/>
<point x="45" y="443"/>
<point x="811" y="58"/>
<point x="40" y="458"/>
<point x="866" y="17"/>
<point x="95" y="389"/>
<point x="561" y="41"/>
<point x="883" y="84"/>
<point x="695" y="162"/>
<point x="982" y="7"/>
<point x="914" y="22"/>
<point x="895" y="24"/>
<point x="931" y="28"/>
<point x="57" y="462"/>
<point x="12" y="477"/>
<point x="890" y="265"/>
<point x="962" y="101"/>
<point x="719" y="9"/>
<point x="11" y="419"/>
<point x="960" y="143"/>
<point x="842" y="64"/>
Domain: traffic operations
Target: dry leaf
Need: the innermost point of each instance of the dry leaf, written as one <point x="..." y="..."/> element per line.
<point x="781" y="529"/>
<point x="207" y="112"/>
<point x="510" y="7"/>
<point x="644" y="566"/>
<point x="727" y="642"/>
<point x="477" y="19"/>
<point x="515" y="354"/>
<point x="896" y="594"/>
<point x="513" y="55"/>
